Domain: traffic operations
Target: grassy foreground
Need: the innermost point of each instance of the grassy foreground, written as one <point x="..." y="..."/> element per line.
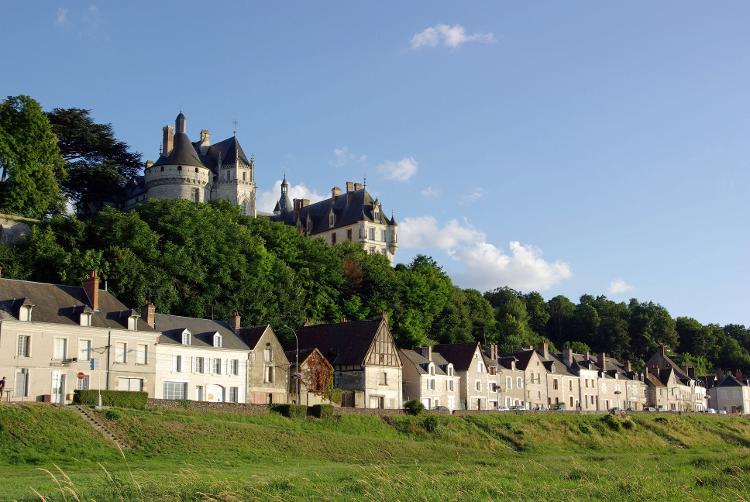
<point x="181" y="455"/>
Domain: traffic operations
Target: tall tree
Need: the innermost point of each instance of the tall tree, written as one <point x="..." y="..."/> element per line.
<point x="561" y="311"/>
<point x="30" y="162"/>
<point x="99" y="165"/>
<point x="538" y="314"/>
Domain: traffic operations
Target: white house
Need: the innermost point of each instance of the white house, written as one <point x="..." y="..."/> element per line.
<point x="731" y="395"/>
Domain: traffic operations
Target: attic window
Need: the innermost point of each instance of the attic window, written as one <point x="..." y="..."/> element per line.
<point x="217" y="341"/>
<point x="85" y="319"/>
<point x="186" y="337"/>
<point x="268" y="354"/>
<point x="179" y="168"/>
<point x="331" y="219"/>
<point x="24" y="313"/>
<point x="432" y="369"/>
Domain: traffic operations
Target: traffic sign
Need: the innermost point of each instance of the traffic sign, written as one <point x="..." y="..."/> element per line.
<point x="91" y="364"/>
<point x="81" y="375"/>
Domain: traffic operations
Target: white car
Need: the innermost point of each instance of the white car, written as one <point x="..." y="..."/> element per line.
<point x="711" y="410"/>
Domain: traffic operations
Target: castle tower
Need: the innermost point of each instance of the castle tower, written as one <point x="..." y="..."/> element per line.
<point x="179" y="173"/>
<point x="234" y="175"/>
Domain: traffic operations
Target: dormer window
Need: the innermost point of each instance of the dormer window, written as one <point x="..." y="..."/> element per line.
<point x="133" y="322"/>
<point x="24" y="313"/>
<point x="186" y="337"/>
<point x="432" y="369"/>
<point x="331" y="219"/>
<point x="217" y="341"/>
<point x="86" y="317"/>
<point x="450" y="370"/>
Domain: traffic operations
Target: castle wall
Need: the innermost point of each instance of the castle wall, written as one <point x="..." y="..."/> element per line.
<point x="177" y="182"/>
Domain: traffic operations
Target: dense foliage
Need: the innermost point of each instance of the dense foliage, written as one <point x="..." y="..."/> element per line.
<point x="119" y="398"/>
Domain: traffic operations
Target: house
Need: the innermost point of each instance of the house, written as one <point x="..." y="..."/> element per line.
<point x="530" y="362"/>
<point x="429" y="378"/>
<point x="365" y="360"/>
<point x="352" y="216"/>
<point x="684" y="391"/>
<point x="198" y="359"/>
<point x="470" y="365"/>
<point x="55" y="339"/>
<point x="315" y="377"/>
<point x="583" y="366"/>
<point x="631" y="385"/>
<point x="268" y="366"/>
<point x="562" y="383"/>
<point x="731" y="395"/>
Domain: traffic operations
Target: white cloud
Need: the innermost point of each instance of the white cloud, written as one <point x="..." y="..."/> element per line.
<point x="449" y="36"/>
<point x="473" y="196"/>
<point x="430" y="192"/>
<point x="485" y="266"/>
<point x="401" y="170"/>
<point x="266" y="200"/>
<point x="61" y="19"/>
<point x="618" y="286"/>
<point x="343" y="156"/>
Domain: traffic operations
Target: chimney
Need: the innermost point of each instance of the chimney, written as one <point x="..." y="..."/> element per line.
<point x="357" y="186"/>
<point x="305" y="202"/>
<point x="205" y="140"/>
<point x="148" y="314"/>
<point x="235" y="321"/>
<point x="690" y="371"/>
<point x="628" y="366"/>
<point x="493" y="351"/>
<point x="168" y="140"/>
<point x="349" y="186"/>
<point x="544" y="349"/>
<point x="601" y="360"/>
<point x="335" y="192"/>
<point x="427" y="352"/>
<point x="91" y="287"/>
<point x="568" y="356"/>
<point x="149" y="163"/>
<point x="588" y="356"/>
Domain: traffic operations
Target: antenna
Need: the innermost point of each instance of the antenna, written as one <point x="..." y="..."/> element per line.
<point x="364" y="184"/>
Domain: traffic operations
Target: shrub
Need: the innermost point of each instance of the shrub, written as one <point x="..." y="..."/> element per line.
<point x="119" y="398"/>
<point x="321" y="411"/>
<point x="612" y="422"/>
<point x="113" y="414"/>
<point x="430" y="423"/>
<point x="336" y="395"/>
<point x="413" y="407"/>
<point x="290" y="410"/>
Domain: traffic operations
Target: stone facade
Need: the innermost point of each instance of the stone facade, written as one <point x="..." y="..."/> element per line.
<point x="430" y="379"/>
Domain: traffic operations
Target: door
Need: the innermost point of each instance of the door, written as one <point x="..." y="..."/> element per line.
<point x="215" y="393"/>
<point x="58" y="387"/>
<point x="426" y="402"/>
<point x="479" y="404"/>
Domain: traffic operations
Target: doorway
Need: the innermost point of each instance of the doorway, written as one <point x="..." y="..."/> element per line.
<point x="58" y="387"/>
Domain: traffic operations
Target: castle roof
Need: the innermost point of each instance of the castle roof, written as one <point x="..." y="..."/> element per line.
<point x="183" y="153"/>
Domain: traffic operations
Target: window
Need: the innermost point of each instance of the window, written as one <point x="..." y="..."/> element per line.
<point x="383" y="380"/>
<point x="333" y="238"/>
<point x="24" y="346"/>
<point x="141" y="355"/>
<point x="121" y="352"/>
<point x="234" y="394"/>
<point x="450" y="385"/>
<point x="229" y="175"/>
<point x="554" y="384"/>
<point x="22" y="383"/>
<point x="371" y="233"/>
<point x="186" y="337"/>
<point x="199" y="393"/>
<point x="217" y="340"/>
<point x="450" y="370"/>
<point x="177" y="364"/>
<point x="480" y="367"/>
<point x="235" y="366"/>
<point x="508" y="383"/>
<point x="199" y="365"/>
<point x="24" y="313"/>
<point x="331" y="219"/>
<point x="268" y="374"/>
<point x="196" y="169"/>
<point x="196" y="194"/>
<point x="586" y="380"/>
<point x="268" y="354"/>
<point x="217" y="366"/>
<point x="432" y="384"/>
<point x="179" y="168"/>
<point x="175" y="390"/>
<point x="82" y="383"/>
<point x="244" y="176"/>
<point x="478" y="385"/>
<point x="432" y="369"/>
<point x="61" y="348"/>
<point x="570" y="385"/>
<point x="84" y="350"/>
<point x="382" y="235"/>
<point x="349" y="235"/>
<point x="162" y="169"/>
<point x="519" y="382"/>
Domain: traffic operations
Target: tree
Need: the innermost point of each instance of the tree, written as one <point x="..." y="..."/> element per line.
<point x="538" y="313"/>
<point x="613" y="337"/>
<point x="99" y="165"/>
<point x="30" y="162"/>
<point x="561" y="311"/>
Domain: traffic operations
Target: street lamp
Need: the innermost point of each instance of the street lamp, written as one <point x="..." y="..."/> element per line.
<point x="296" y="364"/>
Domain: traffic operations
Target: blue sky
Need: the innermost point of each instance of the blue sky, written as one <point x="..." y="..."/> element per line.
<point x="568" y="147"/>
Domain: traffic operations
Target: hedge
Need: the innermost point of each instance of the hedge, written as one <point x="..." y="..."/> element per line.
<point x="290" y="410"/>
<point x="413" y="407"/>
<point x="119" y="398"/>
<point x="321" y="410"/>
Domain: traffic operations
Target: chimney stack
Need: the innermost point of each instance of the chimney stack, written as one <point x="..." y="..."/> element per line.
<point x="148" y="314"/>
<point x="628" y="366"/>
<point x="427" y="352"/>
<point x="235" y="321"/>
<point x="167" y="141"/>
<point x="349" y="186"/>
<point x="544" y="349"/>
<point x="568" y="356"/>
<point x="91" y="287"/>
<point x="602" y="361"/>
<point x="691" y="372"/>
<point x="335" y="192"/>
<point x="357" y="186"/>
<point x="493" y="351"/>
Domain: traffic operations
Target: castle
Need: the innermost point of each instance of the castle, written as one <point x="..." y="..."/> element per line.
<point x="199" y="172"/>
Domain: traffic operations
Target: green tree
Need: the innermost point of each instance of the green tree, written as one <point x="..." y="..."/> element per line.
<point x="537" y="310"/>
<point x="561" y="311"/>
<point x="30" y="162"/>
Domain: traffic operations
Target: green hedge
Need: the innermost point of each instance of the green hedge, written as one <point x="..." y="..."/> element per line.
<point x="119" y="398"/>
<point x="413" y="407"/>
<point x="290" y="410"/>
<point x="321" y="410"/>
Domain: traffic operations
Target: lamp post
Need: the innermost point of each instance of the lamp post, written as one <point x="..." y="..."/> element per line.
<point x="296" y="363"/>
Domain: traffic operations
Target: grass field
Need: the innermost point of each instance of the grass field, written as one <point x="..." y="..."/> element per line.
<point x="181" y="455"/>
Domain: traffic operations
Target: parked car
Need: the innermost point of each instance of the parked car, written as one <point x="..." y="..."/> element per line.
<point x="722" y="412"/>
<point x="518" y="407"/>
<point x="502" y="407"/>
<point x="711" y="410"/>
<point x="649" y="408"/>
<point x="558" y="407"/>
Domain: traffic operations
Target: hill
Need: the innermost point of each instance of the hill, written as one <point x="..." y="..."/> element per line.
<point x="178" y="455"/>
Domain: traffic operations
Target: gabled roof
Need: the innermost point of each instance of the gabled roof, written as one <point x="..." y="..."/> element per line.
<point x="304" y="354"/>
<point x="202" y="331"/>
<point x="460" y="354"/>
<point x="522" y="357"/>
<point x="227" y="151"/>
<point x="251" y="336"/>
<point x="731" y="381"/>
<point x="421" y="363"/>
<point x="345" y="343"/>
<point x="59" y="304"/>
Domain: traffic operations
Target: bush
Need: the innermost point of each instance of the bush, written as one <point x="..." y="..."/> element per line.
<point x="336" y="395"/>
<point x="430" y="423"/>
<point x="413" y="407"/>
<point x="119" y="398"/>
<point x="321" y="411"/>
<point x="290" y="410"/>
<point x="113" y="414"/>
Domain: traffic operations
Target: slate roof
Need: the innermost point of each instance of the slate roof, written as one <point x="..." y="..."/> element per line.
<point x="59" y="304"/>
<point x="183" y="153"/>
<point x="506" y="361"/>
<point x="251" y="335"/>
<point x="460" y="354"/>
<point x="730" y="381"/>
<point x="421" y="363"/>
<point x="225" y="151"/>
<point x="348" y="208"/>
<point x="522" y="357"/>
<point x="344" y="343"/>
<point x="202" y="331"/>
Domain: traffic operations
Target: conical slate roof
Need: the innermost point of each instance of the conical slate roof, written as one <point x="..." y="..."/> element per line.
<point x="183" y="153"/>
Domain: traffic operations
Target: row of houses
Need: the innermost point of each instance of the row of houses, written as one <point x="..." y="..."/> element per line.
<point x="55" y="339"/>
